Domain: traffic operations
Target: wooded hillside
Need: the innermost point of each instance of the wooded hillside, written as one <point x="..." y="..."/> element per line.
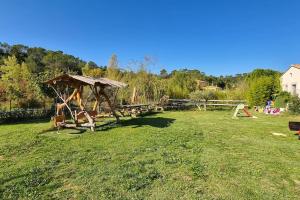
<point x="23" y="69"/>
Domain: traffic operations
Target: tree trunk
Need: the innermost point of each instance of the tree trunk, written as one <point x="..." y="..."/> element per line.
<point x="44" y="103"/>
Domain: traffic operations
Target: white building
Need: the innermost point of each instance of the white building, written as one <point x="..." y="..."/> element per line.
<point x="290" y="80"/>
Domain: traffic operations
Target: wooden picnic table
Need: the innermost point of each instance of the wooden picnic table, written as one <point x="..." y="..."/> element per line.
<point x="135" y="109"/>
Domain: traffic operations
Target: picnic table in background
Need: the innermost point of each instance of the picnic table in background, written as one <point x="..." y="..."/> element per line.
<point x="135" y="109"/>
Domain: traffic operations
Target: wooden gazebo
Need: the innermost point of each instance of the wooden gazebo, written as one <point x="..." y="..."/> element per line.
<point x="77" y="83"/>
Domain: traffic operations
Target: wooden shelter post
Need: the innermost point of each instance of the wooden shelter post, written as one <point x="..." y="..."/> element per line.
<point x="111" y="106"/>
<point x="65" y="103"/>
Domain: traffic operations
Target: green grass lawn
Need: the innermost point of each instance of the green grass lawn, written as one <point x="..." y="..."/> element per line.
<point x="172" y="155"/>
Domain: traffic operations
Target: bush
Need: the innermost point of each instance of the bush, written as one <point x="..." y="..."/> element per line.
<point x="232" y="94"/>
<point x="29" y="103"/>
<point x="294" y="105"/>
<point x="282" y="99"/>
<point x="203" y="95"/>
<point x="221" y="94"/>
<point x="262" y="89"/>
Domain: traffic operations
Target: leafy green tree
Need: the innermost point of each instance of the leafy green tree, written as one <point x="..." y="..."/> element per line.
<point x="294" y="105"/>
<point x="282" y="99"/>
<point x="159" y="88"/>
<point x="203" y="95"/>
<point x="4" y="51"/>
<point x="199" y="96"/>
<point x="34" y="59"/>
<point x="113" y="71"/>
<point x="92" y="70"/>
<point x="15" y="78"/>
<point x="263" y="89"/>
<point x="144" y="83"/>
<point x="257" y="73"/>
<point x="2" y="92"/>
<point x="58" y="63"/>
<point x="19" y="51"/>
<point x="183" y="82"/>
<point x="163" y="73"/>
<point x="43" y="64"/>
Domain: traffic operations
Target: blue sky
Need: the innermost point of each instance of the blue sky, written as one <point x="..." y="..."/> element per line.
<point x="218" y="37"/>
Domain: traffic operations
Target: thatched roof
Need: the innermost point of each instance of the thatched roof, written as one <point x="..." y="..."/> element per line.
<point x="67" y="79"/>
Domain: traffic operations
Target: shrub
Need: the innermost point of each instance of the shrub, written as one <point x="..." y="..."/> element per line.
<point x="294" y="105"/>
<point x="282" y="99"/>
<point x="203" y="95"/>
<point x="262" y="89"/>
<point x="221" y="94"/>
<point x="29" y="103"/>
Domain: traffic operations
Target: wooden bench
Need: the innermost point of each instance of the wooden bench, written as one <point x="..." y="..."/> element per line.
<point x="59" y="120"/>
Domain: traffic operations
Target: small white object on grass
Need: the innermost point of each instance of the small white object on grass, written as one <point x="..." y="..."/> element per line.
<point x="279" y="134"/>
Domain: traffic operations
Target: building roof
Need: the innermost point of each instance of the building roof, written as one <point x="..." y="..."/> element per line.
<point x="296" y="66"/>
<point x="292" y="65"/>
<point x="67" y="79"/>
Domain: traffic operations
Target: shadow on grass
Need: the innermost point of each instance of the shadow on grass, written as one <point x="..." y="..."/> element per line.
<point x="158" y="122"/>
<point x="72" y="131"/>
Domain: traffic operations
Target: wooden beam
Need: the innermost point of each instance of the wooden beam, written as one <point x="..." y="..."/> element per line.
<point x="91" y="121"/>
<point x="96" y="94"/>
<point x="112" y="108"/>
<point x="64" y="102"/>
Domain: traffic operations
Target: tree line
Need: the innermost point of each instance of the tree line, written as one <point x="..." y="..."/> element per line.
<point x="23" y="70"/>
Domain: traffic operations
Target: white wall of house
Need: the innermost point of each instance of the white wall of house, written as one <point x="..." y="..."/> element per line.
<point x="290" y="81"/>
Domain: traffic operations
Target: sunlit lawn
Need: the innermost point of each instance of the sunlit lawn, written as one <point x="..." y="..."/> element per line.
<point x="172" y="155"/>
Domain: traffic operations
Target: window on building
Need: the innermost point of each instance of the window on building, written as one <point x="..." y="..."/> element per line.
<point x="294" y="89"/>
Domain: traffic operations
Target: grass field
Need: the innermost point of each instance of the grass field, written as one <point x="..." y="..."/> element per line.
<point x="172" y="155"/>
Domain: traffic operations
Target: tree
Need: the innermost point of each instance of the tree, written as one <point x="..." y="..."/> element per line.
<point x="257" y="73"/>
<point x="294" y="105"/>
<point x="92" y="70"/>
<point x="144" y="85"/>
<point x="4" y="49"/>
<point x="86" y="70"/>
<point x="2" y="92"/>
<point x="183" y="82"/>
<point x="263" y="89"/>
<point x="57" y="63"/>
<point x="199" y="96"/>
<point x="282" y="99"/>
<point x="163" y="73"/>
<point x="113" y="71"/>
<point x="15" y="78"/>
<point x="35" y="59"/>
<point x="19" y="51"/>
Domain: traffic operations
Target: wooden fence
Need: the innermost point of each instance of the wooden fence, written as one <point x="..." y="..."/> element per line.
<point x="180" y="104"/>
